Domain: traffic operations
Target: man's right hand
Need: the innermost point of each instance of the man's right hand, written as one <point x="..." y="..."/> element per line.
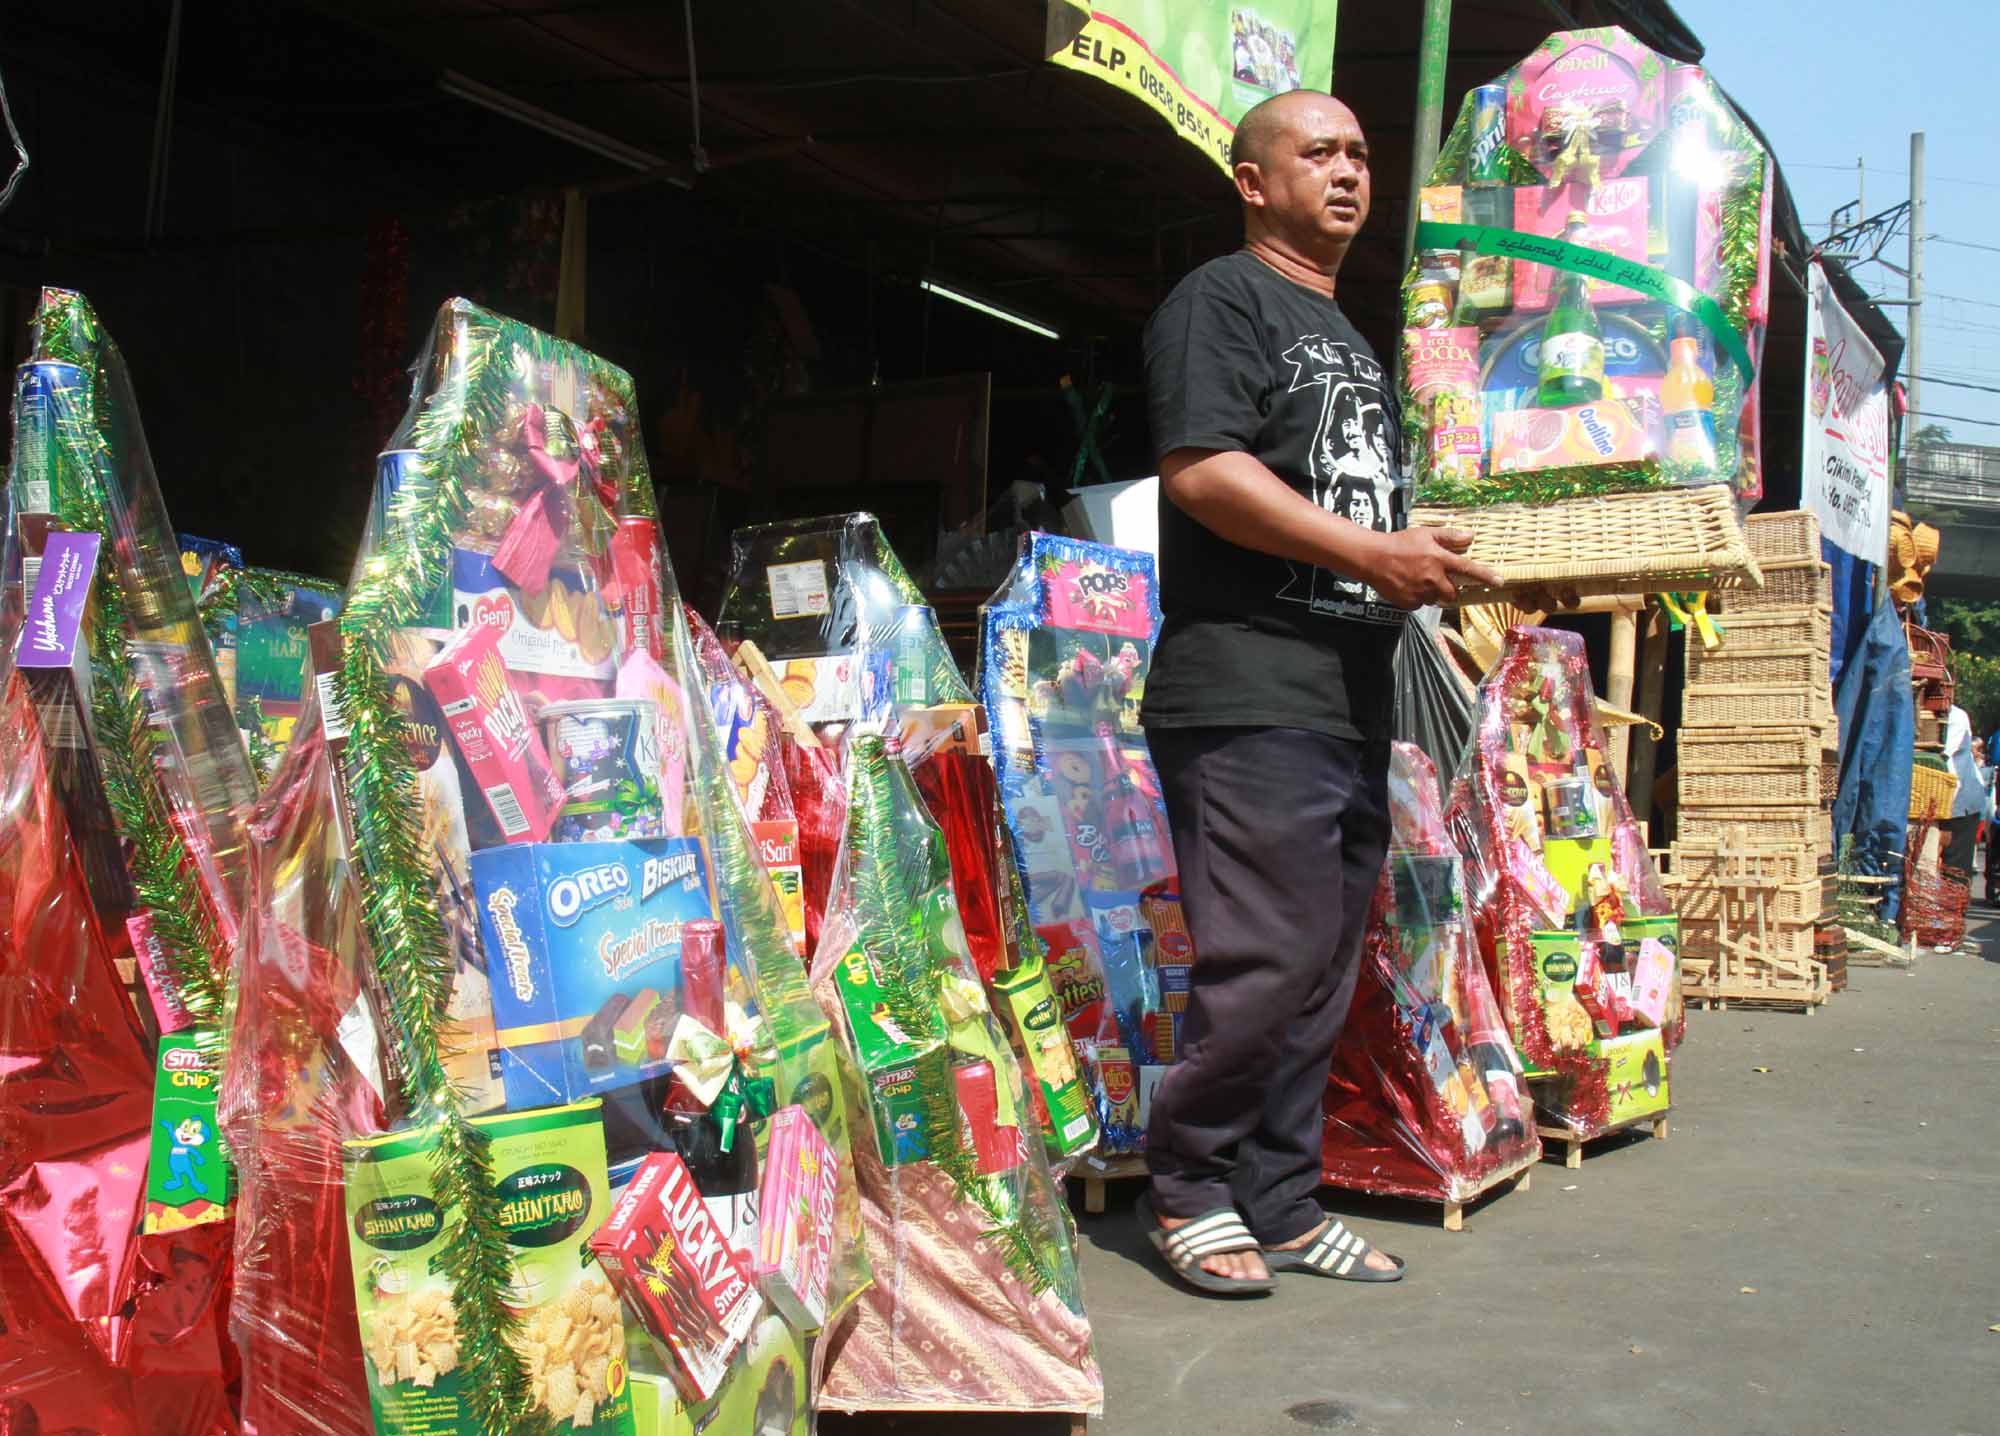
<point x="1422" y="566"/>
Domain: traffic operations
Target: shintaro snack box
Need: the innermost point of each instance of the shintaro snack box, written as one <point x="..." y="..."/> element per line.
<point x="490" y="727"/>
<point x="688" y="1287"/>
<point x="549" y="1173"/>
<point x="795" y="1206"/>
<point x="583" y="948"/>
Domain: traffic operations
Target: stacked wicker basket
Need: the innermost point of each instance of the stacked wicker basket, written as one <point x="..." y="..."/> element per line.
<point x="1753" y="863"/>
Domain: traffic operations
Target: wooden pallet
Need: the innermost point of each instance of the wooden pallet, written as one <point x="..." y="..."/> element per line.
<point x="1514" y="1178"/>
<point x="1094" y="1172"/>
<point x="1572" y="1145"/>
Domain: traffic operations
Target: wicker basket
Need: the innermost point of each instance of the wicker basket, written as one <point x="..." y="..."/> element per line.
<point x="1829" y="776"/>
<point x="1931" y="792"/>
<point x="1795" y="902"/>
<point x="1798" y="667"/>
<point x="1780" y="536"/>
<point x="1762" y="630"/>
<point x="1783" y="827"/>
<point x="1618" y="543"/>
<point x="1751" y="787"/>
<point x="1791" y="583"/>
<point x="1735" y="750"/>
<point x="1791" y="940"/>
<point x="1746" y="706"/>
<point x="1930" y="729"/>
<point x="1694" y="863"/>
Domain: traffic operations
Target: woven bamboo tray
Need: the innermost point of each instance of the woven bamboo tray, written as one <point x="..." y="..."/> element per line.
<point x="1796" y="902"/>
<point x="1763" y="629"/>
<point x="1703" y="706"/>
<point x="1732" y="750"/>
<point x="1829" y="775"/>
<point x="1790" y="535"/>
<point x="1694" y="863"/>
<point x="1751" y="787"/>
<point x="1707" y="825"/>
<point x="1729" y="666"/>
<point x="1788" y="583"/>
<point x="1619" y="543"/>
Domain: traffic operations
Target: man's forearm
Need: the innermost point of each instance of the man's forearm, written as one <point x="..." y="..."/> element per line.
<point x="1237" y="498"/>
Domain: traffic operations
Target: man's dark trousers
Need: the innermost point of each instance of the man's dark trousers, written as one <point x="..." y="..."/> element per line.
<point x="1280" y="835"/>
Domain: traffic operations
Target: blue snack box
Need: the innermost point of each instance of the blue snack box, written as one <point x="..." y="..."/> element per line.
<point x="583" y="950"/>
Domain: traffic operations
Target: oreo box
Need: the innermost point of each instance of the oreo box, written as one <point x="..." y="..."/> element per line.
<point x="583" y="951"/>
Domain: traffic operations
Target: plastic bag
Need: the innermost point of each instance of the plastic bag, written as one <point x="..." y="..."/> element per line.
<point x="1579" y="940"/>
<point x="977" y="1301"/>
<point x="1425" y="1097"/>
<point x="1064" y="651"/>
<point x="1434" y="702"/>
<point x="1585" y="311"/>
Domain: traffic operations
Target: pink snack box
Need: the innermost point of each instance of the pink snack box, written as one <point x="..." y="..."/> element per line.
<point x="1652" y="975"/>
<point x="795" y="1213"/>
<point x="1616" y="222"/>
<point x="492" y="732"/>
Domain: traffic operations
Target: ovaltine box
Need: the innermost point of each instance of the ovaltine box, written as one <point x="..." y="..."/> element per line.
<point x="583" y="950"/>
<point x="490" y="727"/>
<point x="796" y="1218"/>
<point x="689" y="1288"/>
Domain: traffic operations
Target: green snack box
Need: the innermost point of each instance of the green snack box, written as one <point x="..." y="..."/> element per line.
<point x="549" y="1170"/>
<point x="1636" y="1074"/>
<point x="188" y="1177"/>
<point x="1044" y="1041"/>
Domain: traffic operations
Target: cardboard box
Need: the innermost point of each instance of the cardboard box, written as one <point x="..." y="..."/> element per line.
<point x="550" y="1175"/>
<point x="491" y="729"/>
<point x="795" y="1202"/>
<point x="899" y="1069"/>
<point x="583" y="948"/>
<point x="1604" y="432"/>
<point x="188" y="1175"/>
<point x="1635" y="1074"/>
<point x="681" y="1280"/>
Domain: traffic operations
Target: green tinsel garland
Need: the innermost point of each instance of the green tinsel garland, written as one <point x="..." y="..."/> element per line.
<point x="157" y="859"/>
<point x="895" y="855"/>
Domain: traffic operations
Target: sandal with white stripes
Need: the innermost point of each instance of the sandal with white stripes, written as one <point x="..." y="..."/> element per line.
<point x="1186" y="1247"/>
<point x="1337" y="1252"/>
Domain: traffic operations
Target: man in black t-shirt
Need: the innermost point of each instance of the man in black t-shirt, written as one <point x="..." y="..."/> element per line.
<point x="1286" y="575"/>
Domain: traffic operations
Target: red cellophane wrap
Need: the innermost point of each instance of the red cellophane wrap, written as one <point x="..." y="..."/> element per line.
<point x="819" y="796"/>
<point x="304" y="1076"/>
<point x="1535" y="768"/>
<point x="959" y="789"/>
<point x="103" y="1332"/>
<point x="1425" y="1097"/>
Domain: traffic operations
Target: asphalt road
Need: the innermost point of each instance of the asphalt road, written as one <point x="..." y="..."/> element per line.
<point x="1814" y="1249"/>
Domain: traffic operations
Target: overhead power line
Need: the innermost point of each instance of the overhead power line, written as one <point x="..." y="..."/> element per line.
<point x="1955" y="418"/>
<point x="1956" y="384"/>
<point x="1848" y="168"/>
<point x="1965" y="244"/>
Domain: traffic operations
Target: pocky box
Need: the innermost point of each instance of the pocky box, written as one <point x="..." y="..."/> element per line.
<point x="583" y="944"/>
<point x="687" y="1287"/>
<point x="796" y="1218"/>
<point x="550" y="1175"/>
<point x="490" y="727"/>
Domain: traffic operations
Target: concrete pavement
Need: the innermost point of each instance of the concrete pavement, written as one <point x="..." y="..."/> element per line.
<point x="1854" y="1187"/>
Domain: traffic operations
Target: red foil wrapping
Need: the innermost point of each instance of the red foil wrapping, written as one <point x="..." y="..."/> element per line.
<point x="102" y="1332"/>
<point x="820" y="798"/>
<point x="306" y="1054"/>
<point x="960" y="790"/>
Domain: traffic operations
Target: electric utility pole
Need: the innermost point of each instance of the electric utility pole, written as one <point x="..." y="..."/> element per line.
<point x="1914" y="364"/>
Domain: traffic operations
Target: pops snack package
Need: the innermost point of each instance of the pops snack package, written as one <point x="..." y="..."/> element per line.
<point x="549" y="1172"/>
<point x="687" y="1287"/>
<point x="796" y="1217"/>
<point x="491" y="730"/>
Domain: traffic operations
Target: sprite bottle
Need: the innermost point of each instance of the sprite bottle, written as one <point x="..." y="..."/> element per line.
<point x="1572" y="357"/>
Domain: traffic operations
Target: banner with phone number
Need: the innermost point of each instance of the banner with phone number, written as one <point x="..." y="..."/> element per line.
<point x="1198" y="63"/>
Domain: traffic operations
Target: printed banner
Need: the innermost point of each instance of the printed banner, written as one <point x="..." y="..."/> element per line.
<point x="1199" y="63"/>
<point x="1846" y="456"/>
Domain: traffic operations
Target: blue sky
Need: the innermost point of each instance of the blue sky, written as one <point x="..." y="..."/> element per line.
<point x="1841" y="79"/>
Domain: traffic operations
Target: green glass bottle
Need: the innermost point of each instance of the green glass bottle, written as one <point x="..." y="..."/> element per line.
<point x="1572" y="359"/>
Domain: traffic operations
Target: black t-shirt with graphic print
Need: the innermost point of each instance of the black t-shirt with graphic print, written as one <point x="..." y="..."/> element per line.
<point x="1241" y="358"/>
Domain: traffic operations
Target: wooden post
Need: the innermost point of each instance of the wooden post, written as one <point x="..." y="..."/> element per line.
<point x="1618" y="683"/>
<point x="1652" y="696"/>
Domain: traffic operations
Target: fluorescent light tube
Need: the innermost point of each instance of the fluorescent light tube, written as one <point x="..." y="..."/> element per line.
<point x="984" y="308"/>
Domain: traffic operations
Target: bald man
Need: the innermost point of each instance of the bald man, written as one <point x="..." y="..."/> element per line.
<point x="1285" y="579"/>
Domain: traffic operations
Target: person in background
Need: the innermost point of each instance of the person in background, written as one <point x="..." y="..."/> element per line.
<point x="1968" y="805"/>
<point x="1990" y="772"/>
